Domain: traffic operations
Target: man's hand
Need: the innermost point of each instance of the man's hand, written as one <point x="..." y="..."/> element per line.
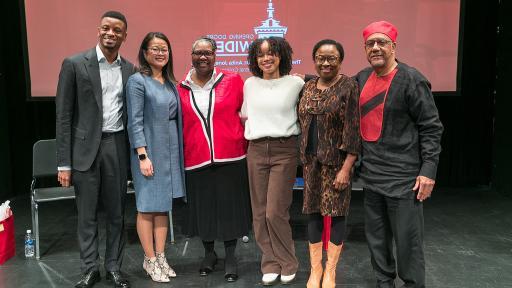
<point x="146" y="167"/>
<point x="424" y="186"/>
<point x="64" y="178"/>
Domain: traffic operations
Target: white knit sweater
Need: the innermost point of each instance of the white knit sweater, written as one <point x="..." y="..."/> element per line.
<point x="271" y="107"/>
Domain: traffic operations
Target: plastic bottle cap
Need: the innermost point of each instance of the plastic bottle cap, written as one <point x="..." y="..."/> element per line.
<point x="29" y="231"/>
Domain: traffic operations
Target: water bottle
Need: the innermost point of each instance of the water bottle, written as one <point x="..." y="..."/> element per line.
<point x="29" y="245"/>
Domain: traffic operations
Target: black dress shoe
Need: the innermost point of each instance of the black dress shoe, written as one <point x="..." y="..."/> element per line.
<point x="208" y="264"/>
<point x="117" y="279"/>
<point x="88" y="279"/>
<point x="230" y="270"/>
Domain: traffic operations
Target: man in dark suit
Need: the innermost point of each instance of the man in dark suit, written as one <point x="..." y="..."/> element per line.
<point x="92" y="148"/>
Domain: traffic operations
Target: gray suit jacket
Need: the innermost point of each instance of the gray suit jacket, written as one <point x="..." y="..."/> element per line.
<point x="79" y="109"/>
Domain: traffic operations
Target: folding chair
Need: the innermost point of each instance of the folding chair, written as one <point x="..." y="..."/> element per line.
<point x="44" y="164"/>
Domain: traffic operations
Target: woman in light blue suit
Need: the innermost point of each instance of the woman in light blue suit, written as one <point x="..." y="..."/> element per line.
<point x="154" y="128"/>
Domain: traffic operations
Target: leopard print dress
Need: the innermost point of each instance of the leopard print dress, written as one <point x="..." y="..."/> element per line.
<point x="337" y="119"/>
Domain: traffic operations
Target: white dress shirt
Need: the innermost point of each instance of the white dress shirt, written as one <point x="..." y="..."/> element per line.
<point x="202" y="94"/>
<point x="112" y="92"/>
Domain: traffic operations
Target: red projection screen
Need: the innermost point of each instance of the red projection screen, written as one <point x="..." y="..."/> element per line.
<point x="428" y="32"/>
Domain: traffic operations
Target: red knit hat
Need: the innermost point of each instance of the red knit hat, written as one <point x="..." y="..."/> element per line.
<point x="383" y="27"/>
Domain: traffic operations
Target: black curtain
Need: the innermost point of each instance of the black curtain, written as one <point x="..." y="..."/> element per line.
<point x="23" y="122"/>
<point x="502" y="149"/>
<point x="468" y="120"/>
<point x="468" y="147"/>
<point x="5" y="172"/>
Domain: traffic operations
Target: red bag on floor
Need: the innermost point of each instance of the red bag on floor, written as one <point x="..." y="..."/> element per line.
<point x="7" y="243"/>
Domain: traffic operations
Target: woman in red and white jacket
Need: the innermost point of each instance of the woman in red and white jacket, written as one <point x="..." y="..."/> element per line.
<point x="215" y="151"/>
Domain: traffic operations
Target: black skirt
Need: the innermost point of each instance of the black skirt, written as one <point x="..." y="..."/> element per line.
<point x="219" y="206"/>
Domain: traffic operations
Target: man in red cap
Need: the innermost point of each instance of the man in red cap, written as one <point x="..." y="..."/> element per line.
<point x="401" y="135"/>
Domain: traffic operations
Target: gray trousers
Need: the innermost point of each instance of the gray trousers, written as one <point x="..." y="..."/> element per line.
<point x="401" y="220"/>
<point x="272" y="169"/>
<point x="104" y="182"/>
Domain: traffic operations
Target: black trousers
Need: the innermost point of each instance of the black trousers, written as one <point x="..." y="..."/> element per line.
<point x="401" y="220"/>
<point x="105" y="181"/>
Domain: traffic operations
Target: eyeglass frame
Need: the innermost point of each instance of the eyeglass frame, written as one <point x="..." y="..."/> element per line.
<point x="205" y="53"/>
<point x="329" y="59"/>
<point x="157" y="50"/>
<point x="381" y="43"/>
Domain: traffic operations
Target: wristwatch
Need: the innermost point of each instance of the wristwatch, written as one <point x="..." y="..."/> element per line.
<point x="142" y="157"/>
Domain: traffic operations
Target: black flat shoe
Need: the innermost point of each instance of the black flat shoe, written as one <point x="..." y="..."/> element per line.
<point x="208" y="264"/>
<point x="231" y="277"/>
<point x="230" y="269"/>
<point x="115" y="277"/>
<point x="89" y="279"/>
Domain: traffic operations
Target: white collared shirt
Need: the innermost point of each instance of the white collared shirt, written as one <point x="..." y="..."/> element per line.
<point x="112" y="92"/>
<point x="202" y="94"/>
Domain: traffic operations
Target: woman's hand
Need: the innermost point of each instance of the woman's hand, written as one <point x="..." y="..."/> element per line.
<point x="342" y="179"/>
<point x="343" y="176"/>
<point x="146" y="167"/>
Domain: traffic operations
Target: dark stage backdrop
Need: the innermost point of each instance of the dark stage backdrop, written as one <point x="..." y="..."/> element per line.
<point x="502" y="152"/>
<point x="466" y="159"/>
<point x="5" y="176"/>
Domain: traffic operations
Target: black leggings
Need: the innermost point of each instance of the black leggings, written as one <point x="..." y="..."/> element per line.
<point x="316" y="225"/>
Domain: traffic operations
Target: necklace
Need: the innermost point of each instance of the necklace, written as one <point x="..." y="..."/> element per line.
<point x="326" y="85"/>
<point x="315" y="103"/>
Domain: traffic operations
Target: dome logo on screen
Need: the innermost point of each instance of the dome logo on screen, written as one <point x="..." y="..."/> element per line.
<point x="271" y="26"/>
<point x="229" y="45"/>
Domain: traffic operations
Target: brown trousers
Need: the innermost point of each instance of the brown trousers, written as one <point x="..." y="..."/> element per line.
<point x="272" y="164"/>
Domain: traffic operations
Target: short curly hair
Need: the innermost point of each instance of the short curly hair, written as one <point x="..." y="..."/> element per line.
<point x="335" y="43"/>
<point x="279" y="47"/>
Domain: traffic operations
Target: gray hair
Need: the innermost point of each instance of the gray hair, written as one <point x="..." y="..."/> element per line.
<point x="207" y="40"/>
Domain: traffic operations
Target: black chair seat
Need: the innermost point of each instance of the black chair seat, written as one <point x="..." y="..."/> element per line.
<point x="53" y="194"/>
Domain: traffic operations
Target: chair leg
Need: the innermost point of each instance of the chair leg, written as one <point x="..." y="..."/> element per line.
<point x="35" y="227"/>
<point x="171" y="227"/>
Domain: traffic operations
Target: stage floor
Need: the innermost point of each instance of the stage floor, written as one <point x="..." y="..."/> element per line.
<point x="468" y="243"/>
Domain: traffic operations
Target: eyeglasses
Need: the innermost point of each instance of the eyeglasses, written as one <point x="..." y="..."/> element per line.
<point x="320" y="59"/>
<point x="158" y="50"/>
<point x="380" y="42"/>
<point x="205" y="53"/>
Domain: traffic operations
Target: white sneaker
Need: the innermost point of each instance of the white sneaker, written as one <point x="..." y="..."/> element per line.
<point x="287" y="279"/>
<point x="269" y="279"/>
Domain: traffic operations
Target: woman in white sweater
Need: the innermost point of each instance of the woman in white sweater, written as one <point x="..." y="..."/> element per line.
<point x="270" y="100"/>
